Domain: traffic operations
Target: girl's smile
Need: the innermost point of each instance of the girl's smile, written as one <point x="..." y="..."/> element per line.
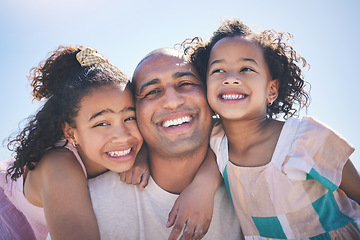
<point x="106" y="132"/>
<point x="238" y="79"/>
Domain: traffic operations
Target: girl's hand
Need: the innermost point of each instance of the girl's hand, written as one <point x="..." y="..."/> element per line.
<point x="192" y="211"/>
<point x="194" y="207"/>
<point x="139" y="174"/>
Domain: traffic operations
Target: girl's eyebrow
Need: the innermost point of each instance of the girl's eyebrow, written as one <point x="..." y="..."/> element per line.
<point x="250" y="59"/>
<point x="111" y="111"/>
<point x="241" y="59"/>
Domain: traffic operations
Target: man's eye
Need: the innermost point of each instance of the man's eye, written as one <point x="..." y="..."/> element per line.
<point x="151" y="93"/>
<point x="184" y="84"/>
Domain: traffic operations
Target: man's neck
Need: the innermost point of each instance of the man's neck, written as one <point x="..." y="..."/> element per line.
<point x="175" y="174"/>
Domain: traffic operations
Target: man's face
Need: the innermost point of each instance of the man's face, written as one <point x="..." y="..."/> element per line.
<point x="171" y="108"/>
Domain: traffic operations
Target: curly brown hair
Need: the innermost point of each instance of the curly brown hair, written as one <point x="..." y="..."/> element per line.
<point x="62" y="82"/>
<point x="283" y="62"/>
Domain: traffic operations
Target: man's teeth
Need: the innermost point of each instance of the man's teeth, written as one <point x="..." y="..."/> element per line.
<point x="176" y="122"/>
<point x="232" y="96"/>
<point x="119" y="153"/>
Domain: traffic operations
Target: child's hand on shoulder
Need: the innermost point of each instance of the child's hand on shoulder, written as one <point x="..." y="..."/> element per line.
<point x="191" y="211"/>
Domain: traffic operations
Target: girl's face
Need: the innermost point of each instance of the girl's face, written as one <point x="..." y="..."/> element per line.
<point x="106" y="132"/>
<point x="239" y="84"/>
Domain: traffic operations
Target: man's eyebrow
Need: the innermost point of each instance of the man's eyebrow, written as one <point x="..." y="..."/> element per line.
<point x="152" y="82"/>
<point x="182" y="74"/>
<point x="110" y="111"/>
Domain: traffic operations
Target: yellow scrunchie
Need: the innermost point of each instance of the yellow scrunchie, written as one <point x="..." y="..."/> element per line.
<point x="88" y="57"/>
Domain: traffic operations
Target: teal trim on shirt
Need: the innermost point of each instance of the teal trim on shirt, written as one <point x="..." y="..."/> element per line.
<point x="226" y="181"/>
<point x="269" y="227"/>
<point x="324" y="236"/>
<point x="313" y="174"/>
<point x="330" y="216"/>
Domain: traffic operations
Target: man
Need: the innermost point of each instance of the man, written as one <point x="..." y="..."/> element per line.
<point x="175" y="120"/>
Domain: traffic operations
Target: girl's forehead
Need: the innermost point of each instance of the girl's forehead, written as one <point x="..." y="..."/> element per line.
<point x="236" y="45"/>
<point x="235" y="41"/>
<point x="110" y="91"/>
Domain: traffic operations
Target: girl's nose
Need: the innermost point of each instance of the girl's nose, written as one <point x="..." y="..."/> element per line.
<point x="231" y="81"/>
<point x="120" y="134"/>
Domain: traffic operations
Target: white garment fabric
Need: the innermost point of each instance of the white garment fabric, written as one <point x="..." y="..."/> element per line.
<point x="123" y="212"/>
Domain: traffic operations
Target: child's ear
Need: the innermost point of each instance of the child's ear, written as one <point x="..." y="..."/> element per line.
<point x="68" y="132"/>
<point x="273" y="91"/>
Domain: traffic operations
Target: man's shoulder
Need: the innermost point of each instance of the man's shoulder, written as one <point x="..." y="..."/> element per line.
<point x="108" y="183"/>
<point x="107" y="176"/>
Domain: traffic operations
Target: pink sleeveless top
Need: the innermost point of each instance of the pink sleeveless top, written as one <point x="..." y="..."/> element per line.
<point x="19" y="219"/>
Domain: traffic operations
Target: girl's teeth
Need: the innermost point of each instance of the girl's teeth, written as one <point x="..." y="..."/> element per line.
<point x="176" y="122"/>
<point x="232" y="96"/>
<point x="119" y="153"/>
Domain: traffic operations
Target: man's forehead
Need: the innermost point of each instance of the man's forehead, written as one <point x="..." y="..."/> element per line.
<point x="161" y="59"/>
<point x="159" y="64"/>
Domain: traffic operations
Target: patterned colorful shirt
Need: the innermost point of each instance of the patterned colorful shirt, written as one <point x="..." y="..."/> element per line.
<point x="296" y="195"/>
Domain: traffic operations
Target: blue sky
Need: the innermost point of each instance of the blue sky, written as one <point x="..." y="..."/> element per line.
<point x="326" y="33"/>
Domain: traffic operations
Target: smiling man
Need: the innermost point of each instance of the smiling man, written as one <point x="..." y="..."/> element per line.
<point x="173" y="117"/>
<point x="175" y="120"/>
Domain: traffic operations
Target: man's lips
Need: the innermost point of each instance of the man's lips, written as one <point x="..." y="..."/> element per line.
<point x="177" y="121"/>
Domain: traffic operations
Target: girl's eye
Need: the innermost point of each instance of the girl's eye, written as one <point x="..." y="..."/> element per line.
<point x="218" y="71"/>
<point x="246" y="69"/>
<point x="130" y="119"/>
<point x="101" y="124"/>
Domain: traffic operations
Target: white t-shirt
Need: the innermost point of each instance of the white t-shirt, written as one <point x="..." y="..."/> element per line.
<point x="123" y="212"/>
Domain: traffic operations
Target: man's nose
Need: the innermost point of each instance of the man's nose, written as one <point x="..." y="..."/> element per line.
<point x="172" y="99"/>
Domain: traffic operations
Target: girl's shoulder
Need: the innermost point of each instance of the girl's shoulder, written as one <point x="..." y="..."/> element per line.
<point x="56" y="166"/>
<point x="311" y="149"/>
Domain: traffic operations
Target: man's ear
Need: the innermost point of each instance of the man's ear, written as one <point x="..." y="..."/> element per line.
<point x="273" y="91"/>
<point x="68" y="132"/>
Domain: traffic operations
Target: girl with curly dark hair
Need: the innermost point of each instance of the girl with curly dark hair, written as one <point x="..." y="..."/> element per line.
<point x="288" y="179"/>
<point x="86" y="127"/>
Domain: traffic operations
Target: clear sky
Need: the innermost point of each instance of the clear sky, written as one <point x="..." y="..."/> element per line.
<point x="326" y="33"/>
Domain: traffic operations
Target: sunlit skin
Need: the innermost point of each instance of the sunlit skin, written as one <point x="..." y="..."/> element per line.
<point x="172" y="112"/>
<point x="106" y="134"/>
<point x="239" y="87"/>
<point x="174" y="118"/>
<point x="238" y="80"/>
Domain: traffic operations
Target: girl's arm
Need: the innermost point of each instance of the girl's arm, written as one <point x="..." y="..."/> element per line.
<point x="350" y="182"/>
<point x="139" y="174"/>
<point x="62" y="188"/>
<point x="194" y="206"/>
